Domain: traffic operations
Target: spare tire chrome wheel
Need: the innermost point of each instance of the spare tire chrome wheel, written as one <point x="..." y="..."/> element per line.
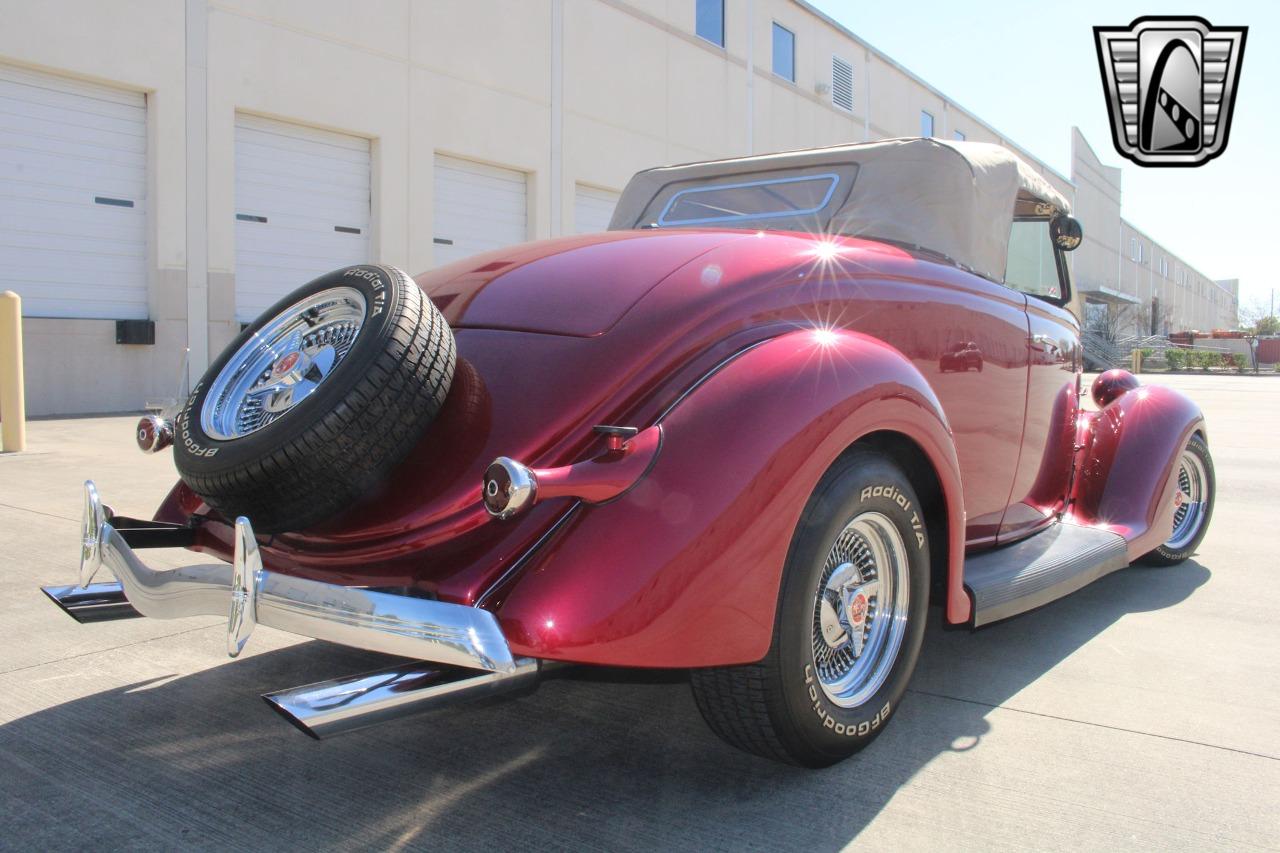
<point x="849" y="624"/>
<point x="317" y="400"/>
<point x="1195" y="487"/>
<point x="283" y="363"/>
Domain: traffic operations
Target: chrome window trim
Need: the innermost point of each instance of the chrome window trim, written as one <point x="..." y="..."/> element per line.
<point x="831" y="176"/>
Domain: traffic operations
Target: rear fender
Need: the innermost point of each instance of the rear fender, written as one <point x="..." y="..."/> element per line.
<point x="684" y="569"/>
<point x="1128" y="456"/>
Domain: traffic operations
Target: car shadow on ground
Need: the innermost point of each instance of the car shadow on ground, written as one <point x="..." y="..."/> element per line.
<point x="601" y="759"/>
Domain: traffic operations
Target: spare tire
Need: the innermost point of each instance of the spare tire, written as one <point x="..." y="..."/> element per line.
<point x="317" y="400"/>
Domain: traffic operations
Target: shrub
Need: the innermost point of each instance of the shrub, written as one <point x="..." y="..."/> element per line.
<point x="1175" y="358"/>
<point x="1236" y="360"/>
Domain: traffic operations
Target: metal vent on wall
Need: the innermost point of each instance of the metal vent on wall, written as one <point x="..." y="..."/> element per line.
<point x="841" y="83"/>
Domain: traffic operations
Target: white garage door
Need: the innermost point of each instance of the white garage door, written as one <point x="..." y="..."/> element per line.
<point x="592" y="209"/>
<point x="73" y="182"/>
<point x="477" y="208"/>
<point x="302" y="208"/>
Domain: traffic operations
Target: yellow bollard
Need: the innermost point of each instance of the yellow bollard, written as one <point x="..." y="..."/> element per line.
<point x="13" y="406"/>
<point x="1137" y="361"/>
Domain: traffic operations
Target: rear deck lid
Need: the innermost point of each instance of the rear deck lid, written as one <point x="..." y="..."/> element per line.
<point x="577" y="286"/>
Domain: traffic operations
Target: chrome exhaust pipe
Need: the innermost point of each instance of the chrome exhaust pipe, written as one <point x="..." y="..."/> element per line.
<point x="98" y="602"/>
<point x="329" y="708"/>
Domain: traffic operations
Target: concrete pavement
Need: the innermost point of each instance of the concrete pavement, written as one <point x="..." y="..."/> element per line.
<point x="1142" y="712"/>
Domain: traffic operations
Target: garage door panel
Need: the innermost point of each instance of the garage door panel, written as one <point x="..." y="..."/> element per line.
<point x="73" y="220"/>
<point x="18" y="99"/>
<point x="592" y="209"/>
<point x="73" y="186"/>
<point x="285" y="252"/>
<point x="296" y="137"/>
<point x="48" y="242"/>
<point x="120" y="150"/>
<point x="304" y="182"/>
<point x="40" y="87"/>
<point x="477" y="222"/>
<point x="43" y="196"/>
<point x="323" y="222"/>
<point x="463" y="189"/>
<point x="21" y="104"/>
<point x="477" y="207"/>
<point x="86" y="129"/>
<point x="110" y="274"/>
<point x="302" y="169"/>
<point x="265" y="188"/>
<point x="49" y="167"/>
<point x="285" y="201"/>
<point x="324" y="158"/>
<point x="63" y="144"/>
<point x="38" y="162"/>
<point x="463" y="202"/>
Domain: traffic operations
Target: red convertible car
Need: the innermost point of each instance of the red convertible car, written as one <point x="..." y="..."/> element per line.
<point x="729" y="435"/>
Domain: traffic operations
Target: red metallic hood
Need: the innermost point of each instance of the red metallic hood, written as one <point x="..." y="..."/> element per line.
<point x="577" y="286"/>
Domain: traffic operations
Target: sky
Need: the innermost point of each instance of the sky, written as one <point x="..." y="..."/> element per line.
<point x="1030" y="70"/>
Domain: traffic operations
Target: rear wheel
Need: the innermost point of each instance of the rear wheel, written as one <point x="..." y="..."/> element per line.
<point x="848" y="629"/>
<point x="1193" y="502"/>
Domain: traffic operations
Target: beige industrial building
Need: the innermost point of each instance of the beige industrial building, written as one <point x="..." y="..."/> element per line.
<point x="1121" y="271"/>
<point x="181" y="164"/>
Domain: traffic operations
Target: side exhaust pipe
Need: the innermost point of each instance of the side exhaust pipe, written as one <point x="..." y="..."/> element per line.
<point x="330" y="708"/>
<point x="97" y="602"/>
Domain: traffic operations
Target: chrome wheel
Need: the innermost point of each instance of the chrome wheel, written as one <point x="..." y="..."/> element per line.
<point x="1189" y="501"/>
<point x="283" y="363"/>
<point x="860" y="609"/>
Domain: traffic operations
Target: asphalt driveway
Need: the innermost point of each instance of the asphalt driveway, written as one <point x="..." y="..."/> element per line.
<point x="1142" y="712"/>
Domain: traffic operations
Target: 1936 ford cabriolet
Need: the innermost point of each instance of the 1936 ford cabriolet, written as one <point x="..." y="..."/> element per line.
<point x="733" y="434"/>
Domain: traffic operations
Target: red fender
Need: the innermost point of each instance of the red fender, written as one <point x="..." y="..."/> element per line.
<point x="684" y="569"/>
<point x="1128" y="457"/>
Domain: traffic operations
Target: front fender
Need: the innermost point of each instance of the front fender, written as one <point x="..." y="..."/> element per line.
<point x="1128" y="457"/>
<point x="684" y="569"/>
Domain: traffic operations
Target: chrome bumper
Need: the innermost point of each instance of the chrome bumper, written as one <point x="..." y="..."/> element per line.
<point x="249" y="595"/>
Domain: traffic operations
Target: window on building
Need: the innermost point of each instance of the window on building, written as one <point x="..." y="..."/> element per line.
<point x="1139" y="258"/>
<point x="1133" y="248"/>
<point x="959" y="135"/>
<point x="709" y="22"/>
<point x="784" y="52"/>
<point x="842" y="83"/>
<point x="926" y="123"/>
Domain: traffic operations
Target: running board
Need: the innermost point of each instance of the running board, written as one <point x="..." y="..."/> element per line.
<point x="1058" y="561"/>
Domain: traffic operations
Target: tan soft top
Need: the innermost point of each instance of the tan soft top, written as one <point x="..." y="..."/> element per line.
<point x="957" y="199"/>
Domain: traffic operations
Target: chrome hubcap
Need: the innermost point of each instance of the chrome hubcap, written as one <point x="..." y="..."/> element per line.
<point x="283" y="363"/>
<point x="1188" y="501"/>
<point x="860" y="609"/>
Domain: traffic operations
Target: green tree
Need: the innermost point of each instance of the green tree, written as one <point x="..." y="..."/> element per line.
<point x="1268" y="325"/>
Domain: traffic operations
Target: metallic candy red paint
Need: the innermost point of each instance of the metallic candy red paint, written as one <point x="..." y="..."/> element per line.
<point x="1127" y="461"/>
<point x="763" y="356"/>
<point x="1111" y="384"/>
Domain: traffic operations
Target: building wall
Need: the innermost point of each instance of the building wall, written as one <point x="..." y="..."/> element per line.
<point x="1121" y="266"/>
<point x="568" y="92"/>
